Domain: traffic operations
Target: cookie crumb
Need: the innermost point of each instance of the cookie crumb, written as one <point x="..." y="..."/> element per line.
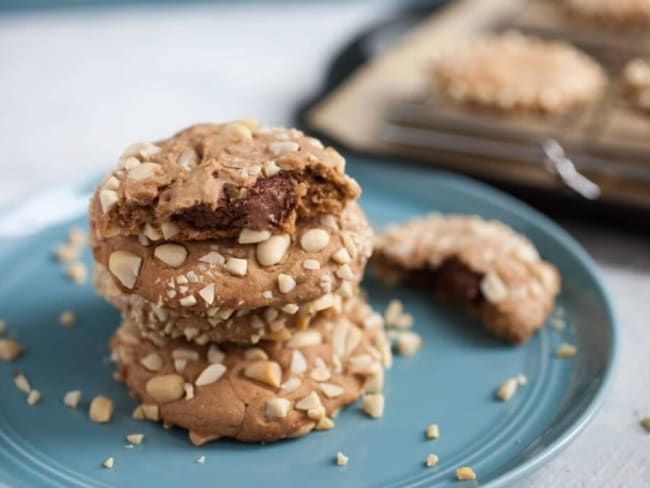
<point x="101" y="409"/>
<point x="507" y="390"/>
<point x="67" y="318"/>
<point x="465" y="473"/>
<point x="10" y="350"/>
<point x="135" y="439"/>
<point x="522" y="379"/>
<point x="341" y="459"/>
<point x="558" y="324"/>
<point x="433" y="431"/>
<point x="78" y="273"/>
<point x="22" y="383"/>
<point x="408" y="343"/>
<point x="432" y="460"/>
<point x="33" y="397"/>
<point x="645" y="421"/>
<point x="71" y="398"/>
<point x="200" y="460"/>
<point x="566" y="350"/>
<point x="109" y="463"/>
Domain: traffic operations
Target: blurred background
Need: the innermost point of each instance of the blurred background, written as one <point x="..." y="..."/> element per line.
<point x="80" y="80"/>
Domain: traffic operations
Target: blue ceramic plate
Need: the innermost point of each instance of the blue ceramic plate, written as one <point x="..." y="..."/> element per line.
<point x="450" y="382"/>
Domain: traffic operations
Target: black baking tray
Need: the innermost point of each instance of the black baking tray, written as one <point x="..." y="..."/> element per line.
<point x="372" y="41"/>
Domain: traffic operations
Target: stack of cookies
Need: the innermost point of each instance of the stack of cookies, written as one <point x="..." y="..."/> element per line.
<point x="234" y="254"/>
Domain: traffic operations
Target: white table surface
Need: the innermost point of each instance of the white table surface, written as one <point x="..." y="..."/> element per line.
<point x="77" y="86"/>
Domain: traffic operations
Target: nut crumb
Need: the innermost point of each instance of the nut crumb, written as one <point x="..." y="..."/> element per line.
<point x="67" y="318"/>
<point x="432" y="460"/>
<point x="109" y="463"/>
<point x="78" y="273"/>
<point x="645" y="421"/>
<point x="408" y="343"/>
<point x="21" y="383"/>
<point x="71" y="398"/>
<point x="101" y="409"/>
<point x="507" y="389"/>
<point x="566" y="350"/>
<point x="558" y="324"/>
<point x="373" y="404"/>
<point x="135" y="439"/>
<point x="433" y="431"/>
<point x="33" y="397"/>
<point x="10" y="350"/>
<point x="200" y="460"/>
<point x="522" y="379"/>
<point x="465" y="473"/>
<point x="341" y="459"/>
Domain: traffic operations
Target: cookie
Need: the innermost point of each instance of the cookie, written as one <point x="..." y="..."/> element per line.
<point x="158" y="323"/>
<point x="482" y="266"/>
<point x="203" y="278"/>
<point x="614" y="13"/>
<point x="210" y="181"/>
<point x="514" y="73"/>
<point x="272" y="391"/>
<point x="636" y="83"/>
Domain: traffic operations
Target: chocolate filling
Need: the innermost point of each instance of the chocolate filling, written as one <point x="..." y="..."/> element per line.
<point x="266" y="205"/>
<point x="452" y="281"/>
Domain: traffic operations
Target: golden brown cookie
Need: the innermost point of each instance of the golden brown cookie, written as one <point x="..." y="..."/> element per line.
<point x="206" y="278"/>
<point x="614" y="13"/>
<point x="636" y="83"/>
<point x="482" y="266"/>
<point x="211" y="181"/>
<point x="514" y="73"/>
<point x="158" y="323"/>
<point x="264" y="393"/>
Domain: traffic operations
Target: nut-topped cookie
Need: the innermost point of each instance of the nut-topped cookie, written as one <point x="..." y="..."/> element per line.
<point x="612" y="13"/>
<point x="513" y="73"/>
<point x="483" y="266"/>
<point x="212" y="181"/>
<point x="636" y="83"/>
<point x="205" y="278"/>
<point x="259" y="393"/>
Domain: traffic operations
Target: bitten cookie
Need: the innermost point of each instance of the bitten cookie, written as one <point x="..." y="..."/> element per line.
<point x="158" y="323"/>
<point x="206" y="278"/>
<point x="482" y="266"/>
<point x="213" y="180"/>
<point x="264" y="393"/>
<point x="636" y="83"/>
<point x="514" y="73"/>
<point x="614" y="13"/>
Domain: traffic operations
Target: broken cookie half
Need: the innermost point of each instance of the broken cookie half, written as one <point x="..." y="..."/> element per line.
<point x="482" y="266"/>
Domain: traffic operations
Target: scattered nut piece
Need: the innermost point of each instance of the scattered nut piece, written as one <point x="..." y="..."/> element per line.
<point x="325" y="423"/>
<point x="433" y="431"/>
<point x="135" y="439"/>
<point x="507" y="389"/>
<point x="108" y="199"/>
<point x="373" y="404"/>
<point x="393" y="311"/>
<point x="21" y="383"/>
<point x="215" y="355"/>
<point x="558" y="324"/>
<point x="314" y="240"/>
<point x="78" y="273"/>
<point x="272" y="250"/>
<point x="109" y="463"/>
<point x="309" y="402"/>
<point x="10" y="350"/>
<point x="281" y="147"/>
<point x="125" y="266"/>
<point x="151" y="411"/>
<point x="72" y="398"/>
<point x="67" y="318"/>
<point x="169" y="229"/>
<point x="522" y="379"/>
<point x="166" y="388"/>
<point x="465" y="473"/>
<point x="341" y="459"/>
<point x="207" y="293"/>
<point x="268" y="372"/>
<point x="408" y="343"/>
<point x="305" y="338"/>
<point x="566" y="350"/>
<point x="33" y="397"/>
<point x="331" y="390"/>
<point x="101" y="409"/>
<point x="645" y="421"/>
<point x="200" y="460"/>
<point x="286" y="283"/>
<point x="432" y="460"/>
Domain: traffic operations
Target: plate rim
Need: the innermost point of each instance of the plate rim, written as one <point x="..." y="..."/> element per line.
<point x="497" y="198"/>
